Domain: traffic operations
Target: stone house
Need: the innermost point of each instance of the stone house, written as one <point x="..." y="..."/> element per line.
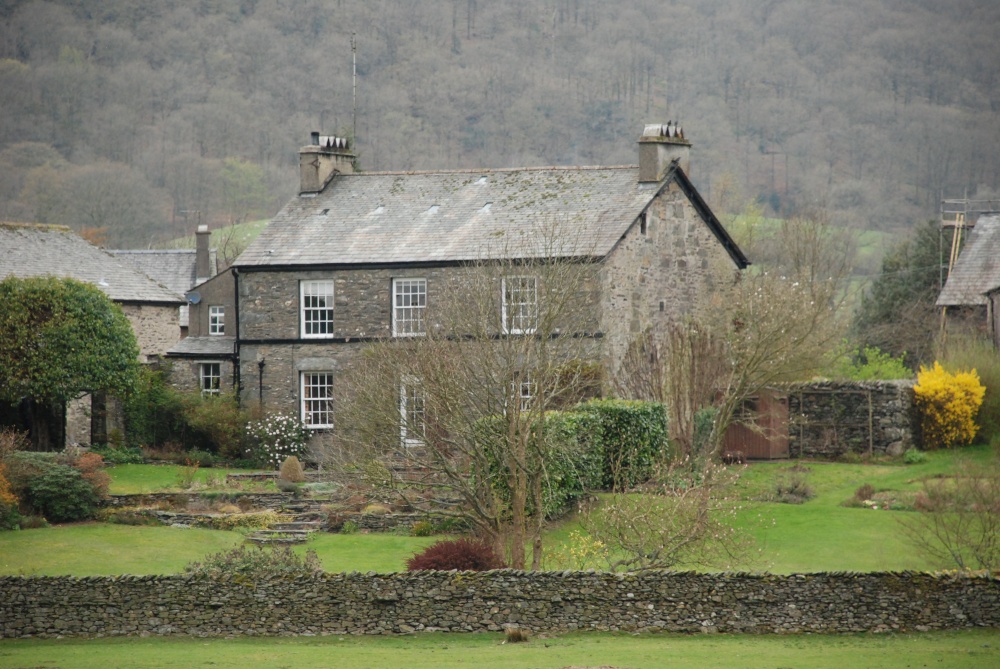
<point x="359" y="257"/>
<point x="963" y="300"/>
<point x="28" y="250"/>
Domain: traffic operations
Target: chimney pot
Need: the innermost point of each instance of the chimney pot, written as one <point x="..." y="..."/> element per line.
<point x="202" y="268"/>
<point x="321" y="160"/>
<point x="314" y="136"/>
<point x="659" y="146"/>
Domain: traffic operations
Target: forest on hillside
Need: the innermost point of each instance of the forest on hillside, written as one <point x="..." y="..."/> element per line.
<point x="134" y="120"/>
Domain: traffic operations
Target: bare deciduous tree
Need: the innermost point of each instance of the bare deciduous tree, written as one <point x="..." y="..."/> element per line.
<point x="958" y="524"/>
<point x="459" y="411"/>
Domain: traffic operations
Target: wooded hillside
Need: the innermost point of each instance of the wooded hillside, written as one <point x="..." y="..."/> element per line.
<point x="144" y="117"/>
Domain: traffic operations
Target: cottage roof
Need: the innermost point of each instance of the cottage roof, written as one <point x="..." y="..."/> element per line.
<point x="463" y="215"/>
<point x="213" y="346"/>
<point x="977" y="269"/>
<point x="176" y="268"/>
<point x="28" y="250"/>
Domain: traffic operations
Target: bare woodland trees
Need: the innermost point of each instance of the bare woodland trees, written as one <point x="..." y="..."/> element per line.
<point x="459" y="409"/>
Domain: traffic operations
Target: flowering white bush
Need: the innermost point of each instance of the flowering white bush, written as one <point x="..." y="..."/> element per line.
<point x="275" y="437"/>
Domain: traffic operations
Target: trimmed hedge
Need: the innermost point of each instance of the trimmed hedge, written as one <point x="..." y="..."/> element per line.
<point x="601" y="444"/>
<point x="633" y="437"/>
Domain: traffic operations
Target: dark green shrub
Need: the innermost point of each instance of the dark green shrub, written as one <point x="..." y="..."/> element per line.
<point x="633" y="436"/>
<point x="251" y="561"/>
<point x="570" y="447"/>
<point x="199" y="458"/>
<point x="61" y="494"/>
<point x="125" y="455"/>
<point x="154" y="413"/>
<point x="914" y="457"/>
<point x="219" y="423"/>
<point x="33" y="522"/>
<point x="463" y="554"/>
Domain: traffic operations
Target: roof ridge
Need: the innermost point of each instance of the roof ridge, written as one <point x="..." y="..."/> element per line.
<point x="493" y="170"/>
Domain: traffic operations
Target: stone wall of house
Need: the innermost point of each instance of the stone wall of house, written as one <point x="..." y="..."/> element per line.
<point x="184" y="374"/>
<point x="653" y="277"/>
<point x="216" y="292"/>
<point x="832" y="418"/>
<point x="156" y="327"/>
<point x="487" y="601"/>
<point x="270" y="328"/>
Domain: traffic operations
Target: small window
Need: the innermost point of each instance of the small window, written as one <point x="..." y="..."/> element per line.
<point x="409" y="300"/>
<point x="317" y="399"/>
<point x="216" y="320"/>
<point x="520" y="304"/>
<point x="642" y="224"/>
<point x="210" y="377"/>
<point x="412" y="425"/>
<point x="525" y="393"/>
<point x="317" y="309"/>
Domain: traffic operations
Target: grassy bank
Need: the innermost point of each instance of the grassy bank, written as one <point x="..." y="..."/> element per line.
<point x="959" y="650"/>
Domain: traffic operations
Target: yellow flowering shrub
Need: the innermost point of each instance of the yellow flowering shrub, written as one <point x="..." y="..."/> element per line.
<point x="948" y="404"/>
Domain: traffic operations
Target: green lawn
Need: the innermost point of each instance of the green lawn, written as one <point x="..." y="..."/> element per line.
<point x="139" y="479"/>
<point x="97" y="549"/>
<point x="953" y="650"/>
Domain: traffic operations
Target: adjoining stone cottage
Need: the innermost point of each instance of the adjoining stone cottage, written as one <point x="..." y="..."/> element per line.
<point x="31" y="250"/>
<point x="358" y="257"/>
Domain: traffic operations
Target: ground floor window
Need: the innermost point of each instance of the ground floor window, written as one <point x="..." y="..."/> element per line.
<point x="317" y="399"/>
<point x="411" y="413"/>
<point x="210" y="377"/>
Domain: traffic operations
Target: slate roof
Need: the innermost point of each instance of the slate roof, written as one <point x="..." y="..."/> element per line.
<point x="204" y="347"/>
<point x="384" y="218"/>
<point x="977" y="269"/>
<point x="28" y="250"/>
<point x="176" y="269"/>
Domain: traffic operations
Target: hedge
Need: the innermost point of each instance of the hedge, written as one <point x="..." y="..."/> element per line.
<point x="633" y="437"/>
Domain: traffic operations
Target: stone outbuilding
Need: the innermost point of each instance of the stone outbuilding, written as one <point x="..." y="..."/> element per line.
<point x="964" y="299"/>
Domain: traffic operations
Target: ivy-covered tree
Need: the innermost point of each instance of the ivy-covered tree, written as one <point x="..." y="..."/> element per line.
<point x="898" y="314"/>
<point x="59" y="339"/>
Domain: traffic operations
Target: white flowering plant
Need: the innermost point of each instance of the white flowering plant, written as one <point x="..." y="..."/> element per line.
<point x="275" y="437"/>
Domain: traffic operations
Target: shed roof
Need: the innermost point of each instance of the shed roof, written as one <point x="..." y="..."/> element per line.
<point x="387" y="218"/>
<point x="29" y="250"/>
<point x="212" y="346"/>
<point x="977" y="269"/>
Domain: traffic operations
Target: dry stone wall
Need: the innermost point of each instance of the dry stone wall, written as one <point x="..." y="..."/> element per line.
<point x="487" y="601"/>
<point x="829" y="419"/>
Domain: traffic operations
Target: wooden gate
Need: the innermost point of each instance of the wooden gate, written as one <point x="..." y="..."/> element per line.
<point x="760" y="431"/>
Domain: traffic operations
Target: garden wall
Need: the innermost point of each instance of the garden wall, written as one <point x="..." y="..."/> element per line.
<point x="829" y="419"/>
<point x="486" y="601"/>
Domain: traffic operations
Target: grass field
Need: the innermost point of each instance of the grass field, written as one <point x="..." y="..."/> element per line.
<point x="139" y="479"/>
<point x="978" y="649"/>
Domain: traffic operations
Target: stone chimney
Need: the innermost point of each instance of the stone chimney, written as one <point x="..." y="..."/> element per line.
<point x="202" y="266"/>
<point x="658" y="147"/>
<point x="325" y="156"/>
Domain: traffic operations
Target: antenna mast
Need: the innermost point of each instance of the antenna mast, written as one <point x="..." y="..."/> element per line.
<point x="354" y="84"/>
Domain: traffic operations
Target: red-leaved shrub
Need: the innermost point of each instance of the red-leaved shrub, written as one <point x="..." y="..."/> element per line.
<point x="91" y="465"/>
<point x="463" y="554"/>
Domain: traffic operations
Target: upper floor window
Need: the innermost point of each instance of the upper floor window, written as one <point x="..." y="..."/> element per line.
<point x="317" y="308"/>
<point x="317" y="399"/>
<point x="216" y="320"/>
<point x="411" y="412"/>
<point x="520" y="304"/>
<point x="409" y="304"/>
<point x="210" y="377"/>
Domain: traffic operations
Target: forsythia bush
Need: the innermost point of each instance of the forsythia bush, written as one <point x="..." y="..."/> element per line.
<point x="948" y="404"/>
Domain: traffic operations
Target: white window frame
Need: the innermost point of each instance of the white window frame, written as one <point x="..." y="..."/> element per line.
<point x="409" y="307"/>
<point x="524" y="392"/>
<point x="316" y="403"/>
<point x="519" y="298"/>
<point x="216" y="320"/>
<point x="412" y="412"/>
<point x="316" y="309"/>
<point x="211" y="388"/>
